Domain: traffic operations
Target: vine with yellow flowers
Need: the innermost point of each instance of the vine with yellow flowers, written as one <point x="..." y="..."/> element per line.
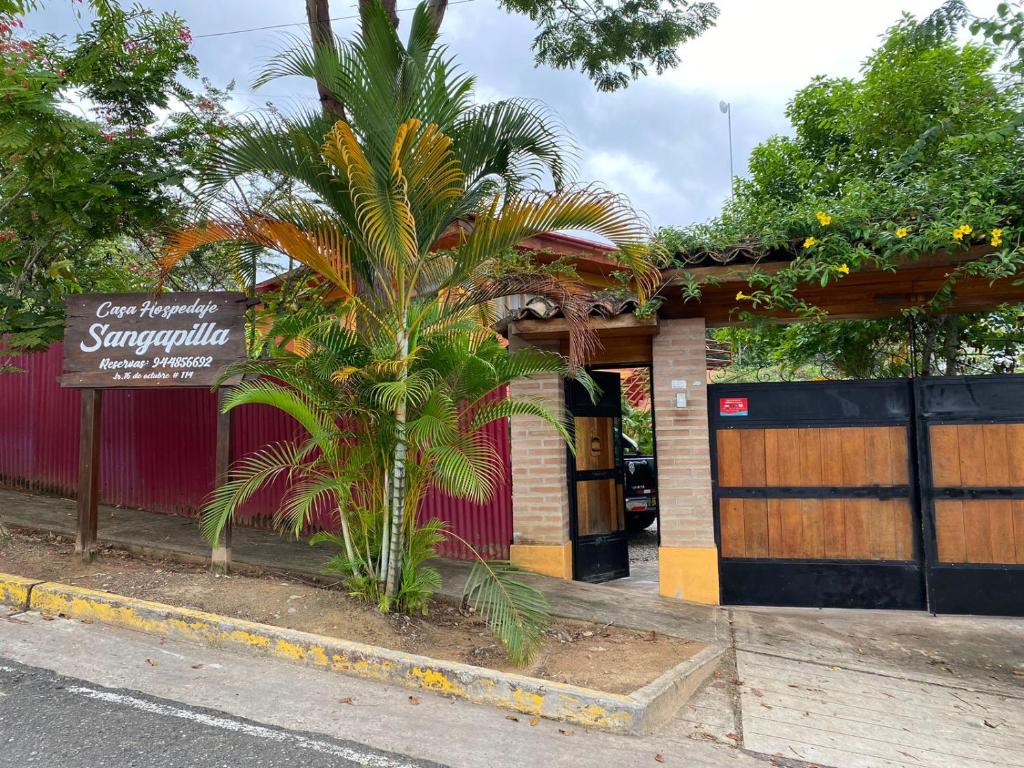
<point x="922" y="154"/>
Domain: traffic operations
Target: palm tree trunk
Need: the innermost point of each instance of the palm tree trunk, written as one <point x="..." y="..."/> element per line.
<point x="318" y="12"/>
<point x="398" y="486"/>
<point x="385" y="538"/>
<point x="350" y="552"/>
<point x="437" y="9"/>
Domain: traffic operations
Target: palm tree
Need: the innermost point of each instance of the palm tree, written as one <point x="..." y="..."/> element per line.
<point x="406" y="353"/>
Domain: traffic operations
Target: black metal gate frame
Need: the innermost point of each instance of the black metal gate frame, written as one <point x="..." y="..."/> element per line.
<point x="819" y="582"/>
<point x="974" y="588"/>
<point x="607" y="408"/>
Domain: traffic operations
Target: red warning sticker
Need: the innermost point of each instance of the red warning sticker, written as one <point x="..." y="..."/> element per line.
<point x="732" y="406"/>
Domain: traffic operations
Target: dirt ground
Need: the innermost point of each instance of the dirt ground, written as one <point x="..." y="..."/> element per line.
<point x="606" y="658"/>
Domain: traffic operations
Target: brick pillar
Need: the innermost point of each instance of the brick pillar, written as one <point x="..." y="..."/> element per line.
<point x="688" y="557"/>
<point x="540" y="496"/>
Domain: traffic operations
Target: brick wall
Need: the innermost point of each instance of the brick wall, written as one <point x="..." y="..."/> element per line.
<point x="540" y="497"/>
<point x="684" y="459"/>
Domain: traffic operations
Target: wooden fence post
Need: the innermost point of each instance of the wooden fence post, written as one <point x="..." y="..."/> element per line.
<point x="88" y="473"/>
<point x="221" y="556"/>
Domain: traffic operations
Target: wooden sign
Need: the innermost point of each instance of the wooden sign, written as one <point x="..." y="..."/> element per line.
<point x="147" y="340"/>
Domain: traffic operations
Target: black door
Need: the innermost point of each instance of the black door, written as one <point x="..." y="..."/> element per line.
<point x="596" y="503"/>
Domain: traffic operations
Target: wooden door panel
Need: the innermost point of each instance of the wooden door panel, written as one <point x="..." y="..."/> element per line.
<point x="812" y="457"/>
<point x="817" y="529"/>
<point x="730" y="513"/>
<point x="596" y="507"/>
<point x="595" y="443"/>
<point x="980" y="531"/>
<point x="840" y="528"/>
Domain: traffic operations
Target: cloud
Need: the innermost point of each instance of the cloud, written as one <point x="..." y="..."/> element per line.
<point x="662" y="142"/>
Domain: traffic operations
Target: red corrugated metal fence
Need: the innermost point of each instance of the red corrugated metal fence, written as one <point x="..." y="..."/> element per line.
<point x="157" y="452"/>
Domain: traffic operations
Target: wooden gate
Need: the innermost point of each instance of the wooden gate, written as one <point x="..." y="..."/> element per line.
<point x="813" y="494"/>
<point x="971" y="438"/>
<point x="871" y="494"/>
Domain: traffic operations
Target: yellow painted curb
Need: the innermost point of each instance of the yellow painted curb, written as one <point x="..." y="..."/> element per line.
<point x="14" y="590"/>
<point x="635" y="713"/>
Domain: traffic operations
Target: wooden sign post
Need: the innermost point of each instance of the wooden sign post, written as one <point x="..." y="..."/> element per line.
<point x="221" y="558"/>
<point x="140" y="340"/>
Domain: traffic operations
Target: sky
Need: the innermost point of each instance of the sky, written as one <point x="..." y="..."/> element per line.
<point x="663" y="142"/>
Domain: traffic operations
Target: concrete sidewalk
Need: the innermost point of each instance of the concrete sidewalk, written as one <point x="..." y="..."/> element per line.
<point x="843" y="688"/>
<point x="152" y="533"/>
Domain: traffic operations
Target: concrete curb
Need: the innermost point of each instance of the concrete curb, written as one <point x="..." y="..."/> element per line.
<point x="636" y="713"/>
<point x="15" y="590"/>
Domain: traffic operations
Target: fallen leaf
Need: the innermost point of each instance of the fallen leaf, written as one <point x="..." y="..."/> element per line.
<point x="513" y="718"/>
<point x="566" y="731"/>
<point x="151" y="662"/>
<point x="534" y="720"/>
<point x="414" y="700"/>
<point x="659" y="758"/>
<point x="346" y="700"/>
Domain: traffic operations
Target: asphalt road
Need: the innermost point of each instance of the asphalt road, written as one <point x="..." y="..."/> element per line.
<point x="50" y="720"/>
<point x="77" y="695"/>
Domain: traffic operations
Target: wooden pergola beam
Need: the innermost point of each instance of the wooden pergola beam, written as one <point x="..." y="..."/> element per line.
<point x="606" y="327"/>
<point x="862" y="295"/>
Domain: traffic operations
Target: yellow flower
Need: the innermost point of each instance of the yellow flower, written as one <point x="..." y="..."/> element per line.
<point x="997" y="237"/>
<point x="843" y="269"/>
<point x="963" y="229"/>
<point x="823" y="218"/>
<point x="810" y="242"/>
<point x="740" y="296"/>
<point x="901" y="232"/>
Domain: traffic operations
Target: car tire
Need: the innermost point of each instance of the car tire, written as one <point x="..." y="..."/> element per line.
<point x="637" y="521"/>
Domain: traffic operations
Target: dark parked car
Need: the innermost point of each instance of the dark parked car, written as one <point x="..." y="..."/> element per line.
<point x="640" y="487"/>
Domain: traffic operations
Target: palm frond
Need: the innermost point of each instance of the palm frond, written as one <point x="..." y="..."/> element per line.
<point x="509" y="408"/>
<point x="317" y="423"/>
<point x="516" y="613"/>
<point x="302" y="500"/>
<point x="517" y="140"/>
<point x="385" y="220"/>
<point x="420" y="581"/>
<point x="246" y="477"/>
<point x="467" y="466"/>
<point x="506" y="221"/>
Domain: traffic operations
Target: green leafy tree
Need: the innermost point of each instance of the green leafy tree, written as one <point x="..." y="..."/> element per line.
<point x="85" y="195"/>
<point x="909" y="158"/>
<point x="391" y="387"/>
<point x="611" y="43"/>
